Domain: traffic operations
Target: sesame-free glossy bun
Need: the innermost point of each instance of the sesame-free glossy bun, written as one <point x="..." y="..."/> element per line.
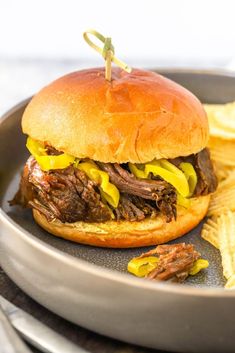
<point x="124" y="234"/>
<point x="134" y="118"/>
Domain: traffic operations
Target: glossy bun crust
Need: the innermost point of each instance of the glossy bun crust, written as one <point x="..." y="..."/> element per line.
<point x="135" y="118"/>
<point x="126" y="234"/>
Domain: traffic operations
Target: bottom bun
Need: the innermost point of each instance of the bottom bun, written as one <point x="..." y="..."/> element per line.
<point x="124" y="234"/>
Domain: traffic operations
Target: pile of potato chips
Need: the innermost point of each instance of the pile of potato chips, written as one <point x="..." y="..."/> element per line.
<point x="219" y="229"/>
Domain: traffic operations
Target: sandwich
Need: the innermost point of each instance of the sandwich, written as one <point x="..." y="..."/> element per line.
<point x="116" y="164"/>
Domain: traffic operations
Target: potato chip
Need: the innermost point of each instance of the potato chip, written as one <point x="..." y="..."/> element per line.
<point x="222" y="171"/>
<point x="226" y="227"/>
<point x="228" y="183"/>
<point x="230" y="284"/>
<point x="217" y="210"/>
<point x="210" y="232"/>
<point x="221" y="120"/>
<point x="220" y="229"/>
<point x="222" y="151"/>
<point x="224" y="197"/>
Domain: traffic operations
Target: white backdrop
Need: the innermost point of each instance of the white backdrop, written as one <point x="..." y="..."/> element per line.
<point x="42" y="39"/>
<point x="151" y="29"/>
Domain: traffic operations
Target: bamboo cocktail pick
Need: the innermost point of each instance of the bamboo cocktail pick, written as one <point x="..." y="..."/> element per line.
<point x="107" y="52"/>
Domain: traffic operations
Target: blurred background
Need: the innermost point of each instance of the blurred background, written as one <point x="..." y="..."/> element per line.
<point x="41" y="40"/>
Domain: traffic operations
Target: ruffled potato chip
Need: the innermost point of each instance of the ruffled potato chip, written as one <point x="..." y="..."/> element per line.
<point x="226" y="232"/>
<point x="221" y="120"/>
<point x="227" y="183"/>
<point x="230" y="284"/>
<point x="222" y="171"/>
<point x="210" y="232"/>
<point x="224" y="197"/>
<point x="220" y="229"/>
<point x="222" y="151"/>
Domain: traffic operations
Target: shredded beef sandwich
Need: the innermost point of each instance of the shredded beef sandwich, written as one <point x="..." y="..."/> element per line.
<point x="117" y="164"/>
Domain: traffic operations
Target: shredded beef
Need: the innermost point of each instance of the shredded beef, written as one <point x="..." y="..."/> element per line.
<point x="26" y="191"/>
<point x="129" y="211"/>
<point x="207" y="181"/>
<point x="65" y="194"/>
<point x="51" y="151"/>
<point x="70" y="196"/>
<point x="158" y="190"/>
<point x="175" y="261"/>
<point x="134" y="208"/>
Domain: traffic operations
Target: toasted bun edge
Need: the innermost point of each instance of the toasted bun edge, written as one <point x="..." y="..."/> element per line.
<point x="126" y="234"/>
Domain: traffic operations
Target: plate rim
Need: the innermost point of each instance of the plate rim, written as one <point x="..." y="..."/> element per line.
<point x="110" y="274"/>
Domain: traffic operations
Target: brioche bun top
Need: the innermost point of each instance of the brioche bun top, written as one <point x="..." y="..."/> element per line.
<point x="134" y="118"/>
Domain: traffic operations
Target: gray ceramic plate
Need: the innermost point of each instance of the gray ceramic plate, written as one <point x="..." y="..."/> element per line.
<point x="89" y="286"/>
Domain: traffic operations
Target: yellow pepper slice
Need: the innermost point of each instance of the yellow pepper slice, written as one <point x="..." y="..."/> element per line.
<point x="141" y="174"/>
<point x="169" y="166"/>
<point x="36" y="148"/>
<point x="191" y="176"/>
<point x="46" y="162"/>
<point x="108" y="190"/>
<point x="183" y="201"/>
<point x="199" y="265"/>
<point x="166" y="171"/>
<point x="140" y="267"/>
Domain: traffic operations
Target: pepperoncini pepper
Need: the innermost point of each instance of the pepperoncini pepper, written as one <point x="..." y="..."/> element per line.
<point x="140" y="267"/>
<point x="191" y="176"/>
<point x="199" y="265"/>
<point x="45" y="161"/>
<point x="107" y="189"/>
<point x="183" y="201"/>
<point x="184" y="179"/>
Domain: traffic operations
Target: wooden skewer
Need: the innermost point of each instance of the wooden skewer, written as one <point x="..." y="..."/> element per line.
<point x="107" y="52"/>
